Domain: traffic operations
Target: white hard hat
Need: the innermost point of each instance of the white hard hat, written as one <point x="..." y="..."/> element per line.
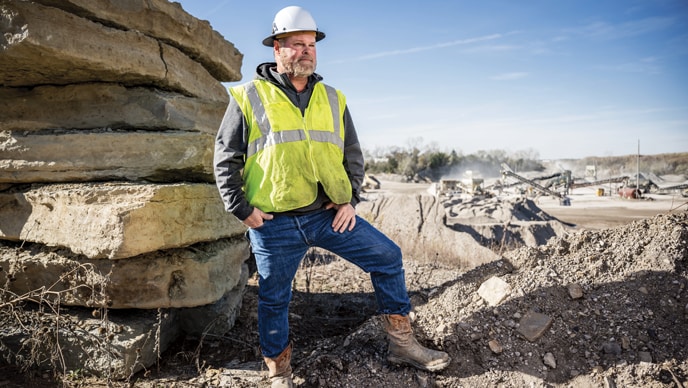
<point x="293" y="19"/>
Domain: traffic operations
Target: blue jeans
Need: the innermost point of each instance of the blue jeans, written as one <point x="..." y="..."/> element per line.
<point x="280" y="245"/>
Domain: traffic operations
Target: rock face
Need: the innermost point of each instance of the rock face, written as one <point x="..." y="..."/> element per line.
<point x="138" y="218"/>
<point x="105" y="105"/>
<point x="456" y="231"/>
<point x="46" y="45"/>
<point x="181" y="277"/>
<point x="58" y="156"/>
<point x="108" y="111"/>
<point x="423" y="233"/>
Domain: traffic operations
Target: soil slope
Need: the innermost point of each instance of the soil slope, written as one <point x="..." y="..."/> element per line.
<point x="615" y="299"/>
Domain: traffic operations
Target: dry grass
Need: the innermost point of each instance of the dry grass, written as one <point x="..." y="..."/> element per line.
<point x="37" y="330"/>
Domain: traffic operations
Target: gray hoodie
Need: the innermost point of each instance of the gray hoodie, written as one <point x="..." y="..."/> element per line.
<point x="232" y="140"/>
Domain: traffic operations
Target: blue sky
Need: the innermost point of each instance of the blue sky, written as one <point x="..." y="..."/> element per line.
<point x="562" y="78"/>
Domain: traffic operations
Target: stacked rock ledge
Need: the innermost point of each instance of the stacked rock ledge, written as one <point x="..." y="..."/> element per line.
<point x="108" y="112"/>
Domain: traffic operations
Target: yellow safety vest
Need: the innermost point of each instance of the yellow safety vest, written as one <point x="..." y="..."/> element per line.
<point x="289" y="153"/>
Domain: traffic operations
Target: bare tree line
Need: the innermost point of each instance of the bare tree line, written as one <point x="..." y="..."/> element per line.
<point x="416" y="161"/>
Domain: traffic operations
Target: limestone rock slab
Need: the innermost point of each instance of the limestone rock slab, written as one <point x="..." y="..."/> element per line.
<point x="168" y="22"/>
<point x="116" y="220"/>
<point x="117" y="347"/>
<point x="216" y="318"/>
<point x="80" y="156"/>
<point x="44" y="45"/>
<point x="105" y="105"/>
<point x="199" y="275"/>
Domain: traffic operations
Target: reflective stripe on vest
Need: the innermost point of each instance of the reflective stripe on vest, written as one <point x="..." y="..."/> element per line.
<point x="268" y="137"/>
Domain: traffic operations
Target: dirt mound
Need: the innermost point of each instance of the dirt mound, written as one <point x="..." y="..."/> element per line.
<point x="502" y="222"/>
<point x="495" y="210"/>
<point x="628" y="328"/>
<point x="615" y="301"/>
<point x="459" y="232"/>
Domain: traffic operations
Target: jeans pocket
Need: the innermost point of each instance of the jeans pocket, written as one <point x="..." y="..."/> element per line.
<point x="262" y="226"/>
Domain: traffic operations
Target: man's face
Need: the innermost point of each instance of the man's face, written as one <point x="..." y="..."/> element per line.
<point x="296" y="55"/>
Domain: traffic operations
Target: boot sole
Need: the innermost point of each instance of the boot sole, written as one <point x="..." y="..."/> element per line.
<point x="432" y="368"/>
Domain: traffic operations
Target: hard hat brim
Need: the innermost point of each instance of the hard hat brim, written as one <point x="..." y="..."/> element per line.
<point x="319" y="35"/>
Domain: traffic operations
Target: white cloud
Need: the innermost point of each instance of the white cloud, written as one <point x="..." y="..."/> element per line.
<point x="608" y="31"/>
<point x="509" y="76"/>
<point x="647" y="65"/>
<point x="435" y="46"/>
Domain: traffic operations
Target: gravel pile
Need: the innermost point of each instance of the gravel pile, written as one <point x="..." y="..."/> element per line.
<point x="592" y="308"/>
<point x="612" y="305"/>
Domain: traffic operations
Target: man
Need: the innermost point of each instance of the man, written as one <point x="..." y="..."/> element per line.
<point x="289" y="165"/>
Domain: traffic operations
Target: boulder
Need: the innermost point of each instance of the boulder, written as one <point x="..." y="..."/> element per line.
<point x="80" y="156"/>
<point x="216" y="318"/>
<point x="106" y="105"/>
<point x="45" y="45"/>
<point x="165" y="21"/>
<point x="116" y="346"/>
<point x="116" y="220"/>
<point x="113" y="238"/>
<point x="198" y="275"/>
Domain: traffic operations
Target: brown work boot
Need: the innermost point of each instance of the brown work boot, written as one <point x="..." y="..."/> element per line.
<point x="279" y="369"/>
<point x="405" y="349"/>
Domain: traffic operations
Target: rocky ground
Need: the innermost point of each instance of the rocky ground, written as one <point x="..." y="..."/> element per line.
<point x="611" y="301"/>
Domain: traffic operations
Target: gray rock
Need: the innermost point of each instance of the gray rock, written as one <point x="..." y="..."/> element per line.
<point x="116" y="220"/>
<point x="575" y="290"/>
<point x="533" y="325"/>
<point x="97" y="91"/>
<point x="105" y="155"/>
<point x="612" y="348"/>
<point x="165" y="21"/>
<point x="216" y="318"/>
<point x="549" y="360"/>
<point x="183" y="277"/>
<point x="494" y="290"/>
<point x="118" y="346"/>
<point x="45" y="45"/>
<point x="645" y="357"/>
<point x="106" y="105"/>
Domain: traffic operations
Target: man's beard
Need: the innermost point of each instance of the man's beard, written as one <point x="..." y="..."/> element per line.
<point x="297" y="68"/>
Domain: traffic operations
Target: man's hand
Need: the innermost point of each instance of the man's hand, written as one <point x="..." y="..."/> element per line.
<point x="345" y="217"/>
<point x="255" y="220"/>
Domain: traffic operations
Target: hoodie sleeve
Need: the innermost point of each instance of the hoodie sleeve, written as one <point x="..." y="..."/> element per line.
<point x="229" y="160"/>
<point x="353" y="158"/>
